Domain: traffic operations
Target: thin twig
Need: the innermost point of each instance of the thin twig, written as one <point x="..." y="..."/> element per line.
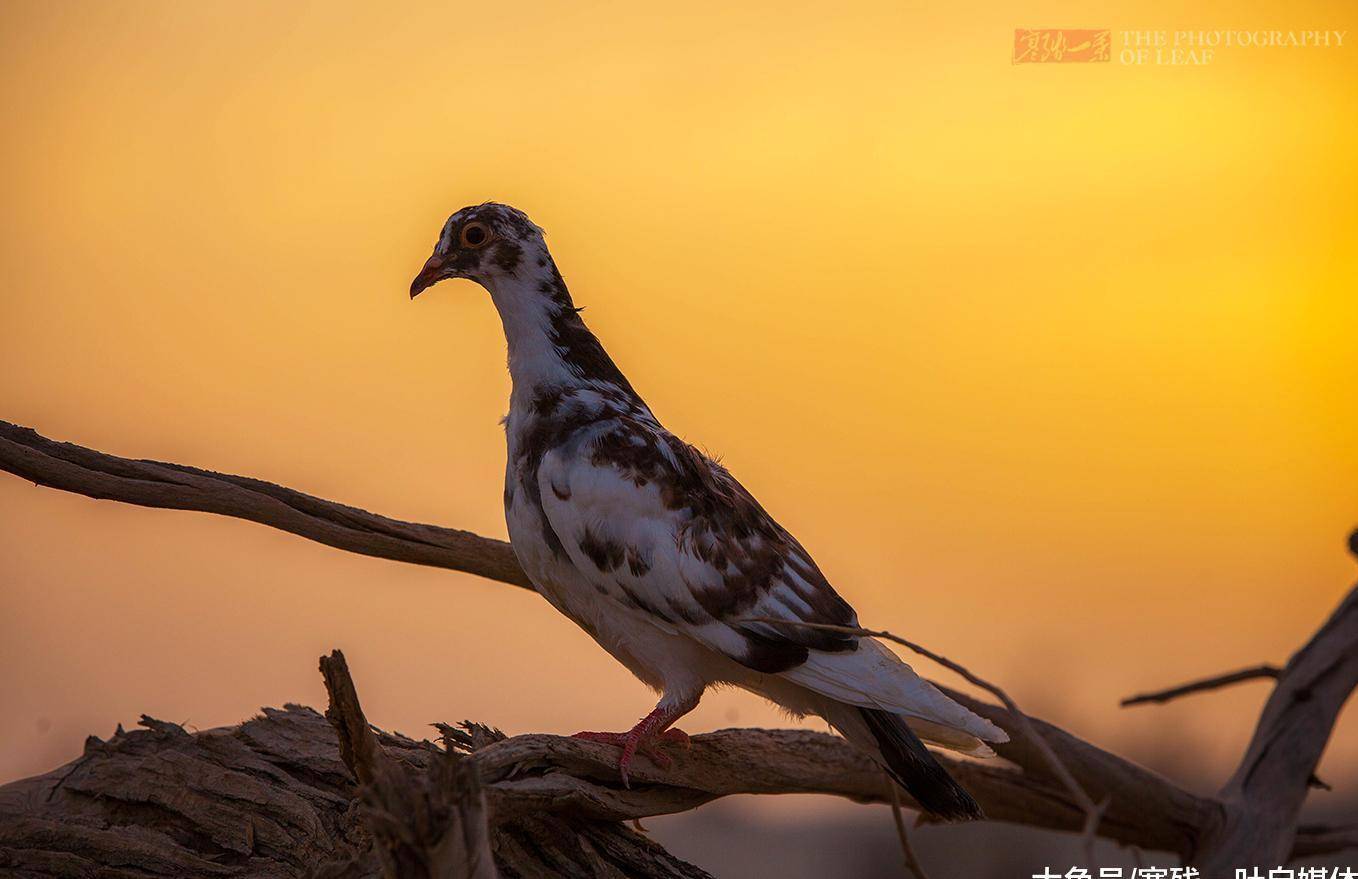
<point x="1092" y="810"/>
<point x="1223" y="680"/>
<point x="911" y="862"/>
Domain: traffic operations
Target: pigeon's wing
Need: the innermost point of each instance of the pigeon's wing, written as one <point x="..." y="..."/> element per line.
<point x="657" y="526"/>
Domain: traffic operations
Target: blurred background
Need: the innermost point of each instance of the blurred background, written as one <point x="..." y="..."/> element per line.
<point x="1050" y="366"/>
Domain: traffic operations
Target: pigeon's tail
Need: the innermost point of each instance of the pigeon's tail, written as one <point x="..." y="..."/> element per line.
<point x="915" y="769"/>
<point x="874" y="677"/>
<point x="878" y="702"/>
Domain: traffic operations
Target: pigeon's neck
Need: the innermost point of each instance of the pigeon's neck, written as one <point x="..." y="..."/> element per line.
<point x="549" y="344"/>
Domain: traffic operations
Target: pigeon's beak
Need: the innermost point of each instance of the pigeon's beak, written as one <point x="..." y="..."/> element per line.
<point x="430" y="275"/>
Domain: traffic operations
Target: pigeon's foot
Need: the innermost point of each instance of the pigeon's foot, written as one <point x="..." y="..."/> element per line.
<point x="642" y="738"/>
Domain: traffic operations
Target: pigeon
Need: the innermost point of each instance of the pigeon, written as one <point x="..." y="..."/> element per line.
<point x="669" y="563"/>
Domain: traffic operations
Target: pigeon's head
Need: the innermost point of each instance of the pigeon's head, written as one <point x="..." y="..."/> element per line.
<point x="483" y="243"/>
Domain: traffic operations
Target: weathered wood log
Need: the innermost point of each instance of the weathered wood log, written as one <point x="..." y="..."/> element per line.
<point x="537" y="782"/>
<point x="271" y="798"/>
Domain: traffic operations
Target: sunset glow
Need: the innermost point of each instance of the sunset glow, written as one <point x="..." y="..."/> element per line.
<point x="1051" y="367"/>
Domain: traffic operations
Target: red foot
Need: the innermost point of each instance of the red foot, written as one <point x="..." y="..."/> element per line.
<point x="641" y="739"/>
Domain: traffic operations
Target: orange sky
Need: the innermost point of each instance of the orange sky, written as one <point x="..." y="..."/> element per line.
<point x="1051" y="367"/>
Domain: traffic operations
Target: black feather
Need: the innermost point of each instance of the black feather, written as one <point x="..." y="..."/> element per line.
<point x="916" y="770"/>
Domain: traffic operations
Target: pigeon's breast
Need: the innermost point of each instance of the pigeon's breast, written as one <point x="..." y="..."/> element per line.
<point x="539" y="423"/>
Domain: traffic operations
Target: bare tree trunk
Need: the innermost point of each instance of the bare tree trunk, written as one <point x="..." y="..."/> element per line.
<point x="1264" y="796"/>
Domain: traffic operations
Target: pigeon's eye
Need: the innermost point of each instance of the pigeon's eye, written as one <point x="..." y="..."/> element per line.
<point x="475" y="234"/>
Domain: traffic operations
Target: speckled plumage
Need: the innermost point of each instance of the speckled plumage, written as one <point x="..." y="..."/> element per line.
<point x="657" y="551"/>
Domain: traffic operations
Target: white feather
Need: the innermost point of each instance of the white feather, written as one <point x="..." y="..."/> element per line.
<point x="874" y="677"/>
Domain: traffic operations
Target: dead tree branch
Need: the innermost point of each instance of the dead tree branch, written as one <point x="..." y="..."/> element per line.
<point x="1252" y="821"/>
<point x="1264" y="796"/>
<point x="1215" y="682"/>
<point x="423" y="826"/>
<point x="73" y="468"/>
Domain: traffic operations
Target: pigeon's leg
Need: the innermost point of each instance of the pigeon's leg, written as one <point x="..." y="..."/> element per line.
<point x="652" y="730"/>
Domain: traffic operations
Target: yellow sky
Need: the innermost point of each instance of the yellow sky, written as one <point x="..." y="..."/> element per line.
<point x="1051" y="367"/>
